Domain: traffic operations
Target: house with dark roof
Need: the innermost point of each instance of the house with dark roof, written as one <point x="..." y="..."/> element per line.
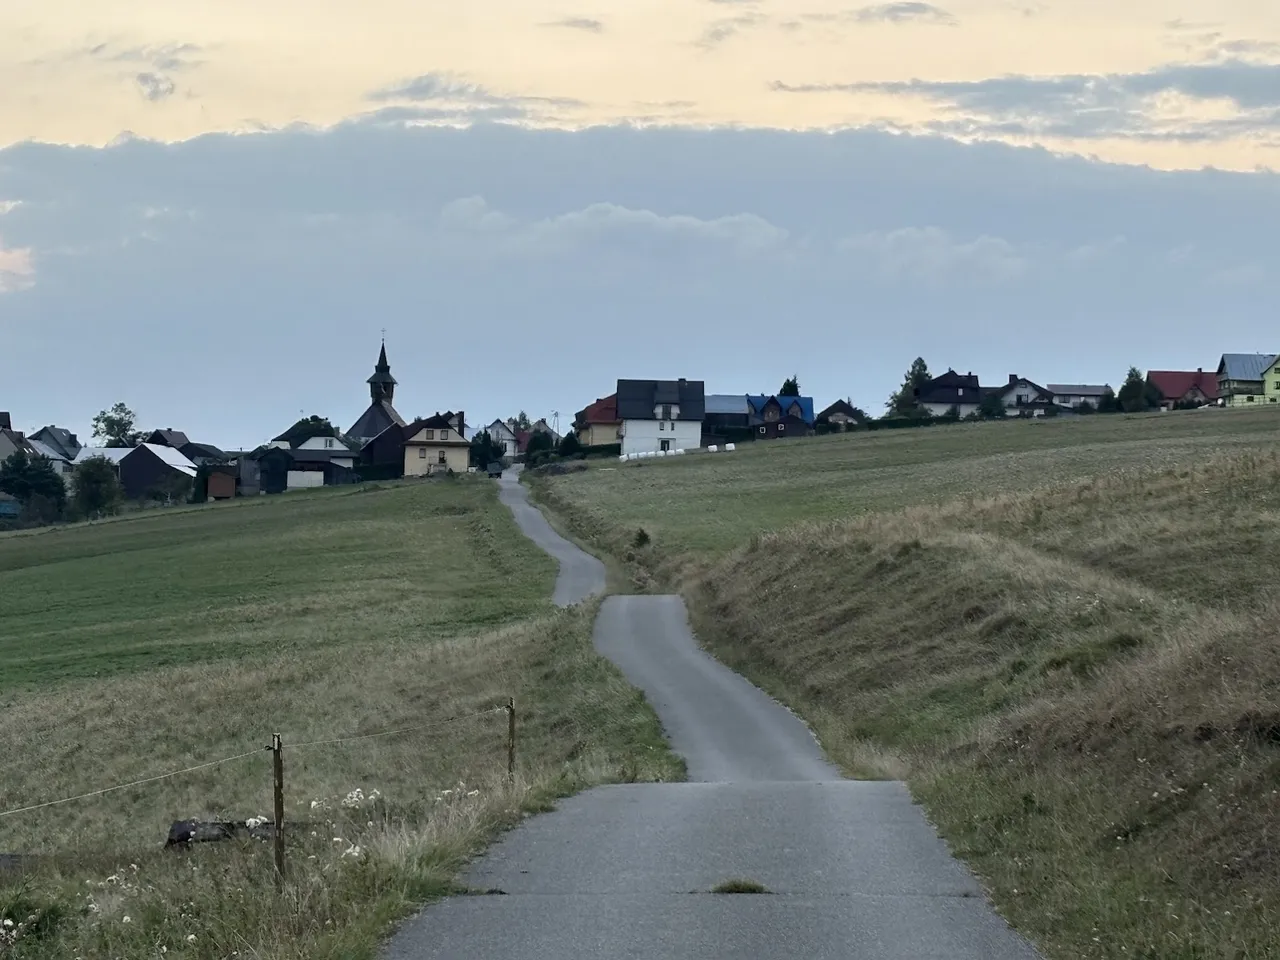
<point x="660" y="416"/>
<point x="11" y="441"/>
<point x="1242" y="378"/>
<point x="842" y="413"/>
<point x="380" y="414"/>
<point x="167" y="438"/>
<point x="959" y="390"/>
<point x="437" y="444"/>
<point x="1075" y="395"/>
<point x="774" y="417"/>
<point x="1184" y="388"/>
<point x="597" y="424"/>
<point x="1023" y="398"/>
<point x="311" y="453"/>
<point x="63" y="442"/>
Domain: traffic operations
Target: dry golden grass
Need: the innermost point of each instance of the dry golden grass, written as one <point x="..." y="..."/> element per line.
<point x="1083" y="683"/>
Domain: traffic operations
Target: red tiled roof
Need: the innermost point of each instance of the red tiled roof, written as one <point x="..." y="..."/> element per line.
<point x="604" y="410"/>
<point x="1176" y="384"/>
<point x="522" y="440"/>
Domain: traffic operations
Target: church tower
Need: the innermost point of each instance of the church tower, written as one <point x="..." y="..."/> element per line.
<point x="382" y="385"/>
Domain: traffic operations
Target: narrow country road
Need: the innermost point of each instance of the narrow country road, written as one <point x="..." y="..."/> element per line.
<point x="853" y="868"/>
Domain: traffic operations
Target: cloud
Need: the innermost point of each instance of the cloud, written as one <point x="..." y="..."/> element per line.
<point x="718" y="31"/>
<point x="163" y="60"/>
<point x="932" y="255"/>
<point x="1149" y="105"/>
<point x="453" y="98"/>
<point x="578" y="23"/>
<point x="904" y="12"/>
<point x="17" y="272"/>
<point x="734" y="256"/>
<point x="155" y="86"/>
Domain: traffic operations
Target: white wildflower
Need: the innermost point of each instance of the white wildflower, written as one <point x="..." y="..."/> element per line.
<point x="128" y="919"/>
<point x="191" y="938"/>
<point x="253" y="823"/>
<point x="351" y="851"/>
<point x="473" y="793"/>
<point x="8" y="922"/>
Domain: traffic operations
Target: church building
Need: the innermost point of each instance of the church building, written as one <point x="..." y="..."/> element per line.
<point x="381" y="414"/>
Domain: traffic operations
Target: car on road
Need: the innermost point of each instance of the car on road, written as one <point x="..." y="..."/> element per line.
<point x="495" y="469"/>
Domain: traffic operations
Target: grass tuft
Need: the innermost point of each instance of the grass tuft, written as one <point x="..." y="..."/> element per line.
<point x="739" y="886"/>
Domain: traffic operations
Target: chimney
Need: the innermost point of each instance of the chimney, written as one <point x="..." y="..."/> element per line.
<point x="1013" y="378"/>
<point x="1199" y="369"/>
<point x="683" y="380"/>
<point x="6" y="422"/>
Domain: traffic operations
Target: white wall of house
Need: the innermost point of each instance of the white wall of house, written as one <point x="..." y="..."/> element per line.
<point x="298" y="479"/>
<point x="940" y="409"/>
<point x="642" y="436"/>
<point x="1020" y="394"/>
<point x="322" y="443"/>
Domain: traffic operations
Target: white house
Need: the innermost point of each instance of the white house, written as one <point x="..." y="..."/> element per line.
<point x="500" y="432"/>
<point x="659" y="416"/>
<point x="958" y="390"/>
<point x="1022" y="398"/>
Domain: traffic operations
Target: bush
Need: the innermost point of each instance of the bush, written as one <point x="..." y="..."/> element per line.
<point x="641" y="539"/>
<point x="603" y="450"/>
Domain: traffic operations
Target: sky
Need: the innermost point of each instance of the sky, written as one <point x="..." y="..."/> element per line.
<point x="212" y="211"/>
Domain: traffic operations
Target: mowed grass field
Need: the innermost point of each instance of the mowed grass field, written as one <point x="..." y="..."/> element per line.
<point x="138" y="647"/>
<point x="706" y="504"/>
<point x="1073" y="658"/>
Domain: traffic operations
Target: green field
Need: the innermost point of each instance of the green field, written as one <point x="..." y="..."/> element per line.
<point x="1061" y="634"/>
<point x="705" y="504"/>
<point x="145" y="645"/>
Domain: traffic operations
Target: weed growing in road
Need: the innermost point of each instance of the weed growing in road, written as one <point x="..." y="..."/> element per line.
<point x="739" y="886"/>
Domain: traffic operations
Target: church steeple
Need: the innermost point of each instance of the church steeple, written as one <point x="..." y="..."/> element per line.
<point x="382" y="385"/>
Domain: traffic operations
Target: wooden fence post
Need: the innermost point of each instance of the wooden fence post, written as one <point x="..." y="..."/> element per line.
<point x="277" y="757"/>
<point x="511" y="740"/>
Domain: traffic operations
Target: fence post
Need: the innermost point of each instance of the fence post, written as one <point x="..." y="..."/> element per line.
<point x="277" y="757"/>
<point x="511" y="740"/>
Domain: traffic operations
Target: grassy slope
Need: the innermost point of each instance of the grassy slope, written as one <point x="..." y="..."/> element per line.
<point x="1081" y="684"/>
<point x="369" y="640"/>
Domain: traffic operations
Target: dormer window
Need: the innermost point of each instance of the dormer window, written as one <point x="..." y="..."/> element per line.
<point x="328" y="443"/>
<point x="444" y="434"/>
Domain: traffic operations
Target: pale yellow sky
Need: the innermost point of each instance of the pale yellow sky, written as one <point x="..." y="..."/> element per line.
<point x="316" y="60"/>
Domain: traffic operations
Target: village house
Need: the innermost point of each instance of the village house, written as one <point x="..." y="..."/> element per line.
<point x="311" y="453"/>
<point x="502" y="432"/>
<point x="147" y="470"/>
<point x="1242" y="378"/>
<point x="959" y="390"/>
<point x="660" y="415"/>
<point x="1023" y="398"/>
<point x="841" y="413"/>
<point x="597" y="424"/>
<point x="1076" y="395"/>
<point x="726" y="418"/>
<point x="437" y="444"/>
<point x="774" y="417"/>
<point x="1183" y="388"/>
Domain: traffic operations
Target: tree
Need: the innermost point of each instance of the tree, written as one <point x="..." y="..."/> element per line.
<point x="992" y="407"/>
<point x="520" y="421"/>
<point x="485" y="450"/>
<point x="1108" y="403"/>
<point x="1086" y="407"/>
<point x="539" y="442"/>
<point x="952" y="415"/>
<point x="569" y="445"/>
<point x="26" y="478"/>
<point x="1136" y="394"/>
<point x="97" y="488"/>
<point x="902" y="402"/>
<point x="790" y="387"/>
<point x="115" y="427"/>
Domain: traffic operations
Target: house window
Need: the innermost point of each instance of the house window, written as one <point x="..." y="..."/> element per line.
<point x="430" y="434"/>
<point x="781" y="427"/>
<point x="666" y="444"/>
<point x="762" y="431"/>
<point x="444" y="434"/>
<point x="1249" y="398"/>
<point x="440" y="457"/>
<point x="328" y="443"/>
<point x="422" y="453"/>
<point x="666" y="411"/>
<point x="662" y="424"/>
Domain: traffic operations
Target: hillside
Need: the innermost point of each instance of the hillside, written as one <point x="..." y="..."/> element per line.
<point x="143" y="646"/>
<point x="1079" y="682"/>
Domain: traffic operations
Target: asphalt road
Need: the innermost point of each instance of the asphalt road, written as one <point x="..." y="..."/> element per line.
<point x="853" y="869"/>
<point x="581" y="575"/>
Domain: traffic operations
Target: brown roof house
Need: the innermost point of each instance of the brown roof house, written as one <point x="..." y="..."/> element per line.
<point x="437" y="444"/>
<point x="597" y="424"/>
<point x="1184" y="388"/>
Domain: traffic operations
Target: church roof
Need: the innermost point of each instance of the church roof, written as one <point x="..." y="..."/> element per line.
<point x="382" y="371"/>
<point x="373" y="421"/>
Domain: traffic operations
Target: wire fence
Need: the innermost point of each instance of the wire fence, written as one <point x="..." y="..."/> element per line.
<point x="277" y="749"/>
